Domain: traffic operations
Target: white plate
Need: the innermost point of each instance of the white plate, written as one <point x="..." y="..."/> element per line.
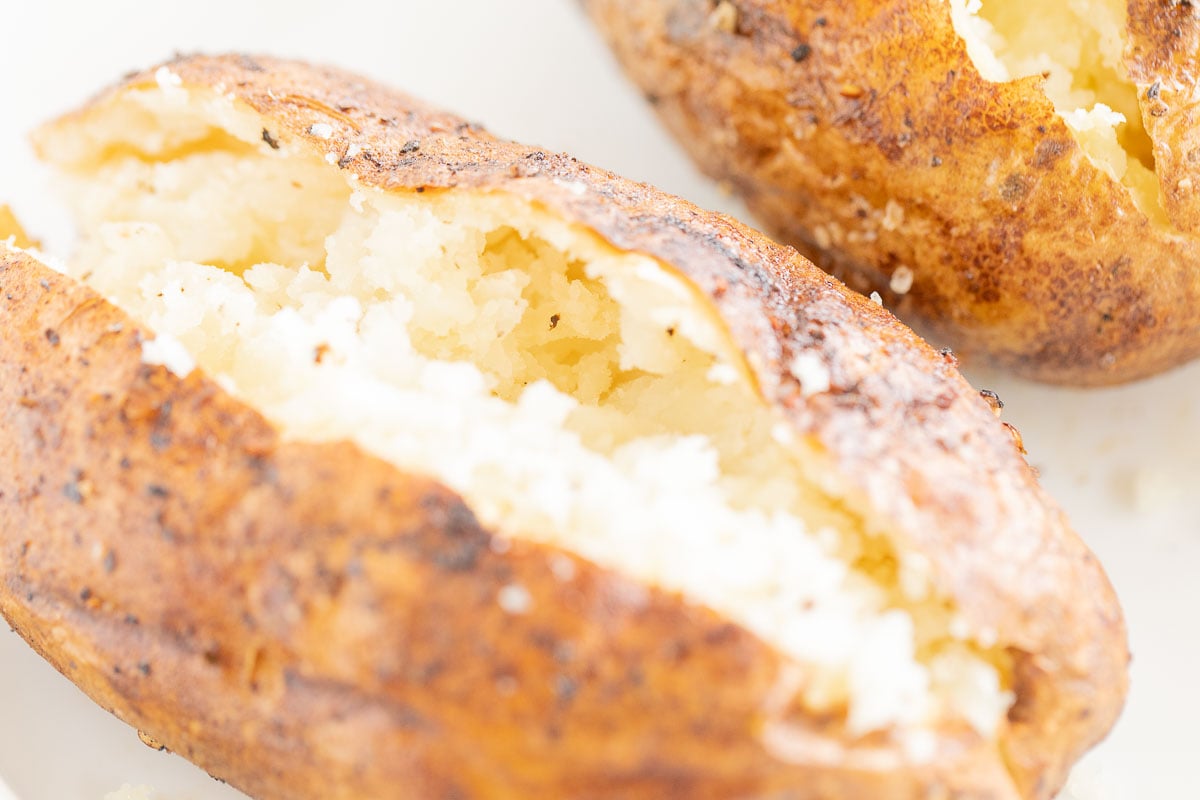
<point x="1121" y="461"/>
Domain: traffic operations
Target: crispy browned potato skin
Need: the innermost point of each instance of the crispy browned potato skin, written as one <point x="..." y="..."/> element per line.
<point x="1024" y="253"/>
<point x="307" y="621"/>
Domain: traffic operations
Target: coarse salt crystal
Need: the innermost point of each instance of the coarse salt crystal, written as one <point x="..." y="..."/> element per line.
<point x="810" y="370"/>
<point x="166" y="79"/>
<point x="321" y="130"/>
<point x="515" y="599"/>
<point x="893" y="216"/>
<point x="902" y="280"/>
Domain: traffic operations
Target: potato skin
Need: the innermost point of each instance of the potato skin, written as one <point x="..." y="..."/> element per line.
<point x="314" y="623"/>
<point x="1024" y="254"/>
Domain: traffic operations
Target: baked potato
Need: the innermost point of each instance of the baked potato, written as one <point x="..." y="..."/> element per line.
<point x="1020" y="181"/>
<point x="358" y="453"/>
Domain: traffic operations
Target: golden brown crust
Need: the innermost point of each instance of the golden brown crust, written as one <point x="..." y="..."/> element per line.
<point x="658" y="698"/>
<point x="1023" y="252"/>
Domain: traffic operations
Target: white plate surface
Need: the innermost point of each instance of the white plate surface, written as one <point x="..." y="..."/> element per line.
<point x="1125" y="462"/>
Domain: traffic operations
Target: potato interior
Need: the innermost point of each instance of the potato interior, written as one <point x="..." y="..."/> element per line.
<point x="572" y="393"/>
<point x="1078" y="45"/>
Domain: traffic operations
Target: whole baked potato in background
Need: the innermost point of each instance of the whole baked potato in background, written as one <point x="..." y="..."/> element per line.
<point x="1019" y="180"/>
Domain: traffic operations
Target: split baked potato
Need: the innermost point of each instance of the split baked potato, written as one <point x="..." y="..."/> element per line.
<point x="1021" y="181"/>
<point x="357" y="453"/>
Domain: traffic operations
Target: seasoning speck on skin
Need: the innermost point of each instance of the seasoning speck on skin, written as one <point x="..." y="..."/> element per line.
<point x="52" y="336"/>
<point x="72" y="492"/>
<point x="269" y="139"/>
<point x="514" y="599"/>
<point x="554" y="318"/>
<point x="321" y="130"/>
<point x="411" y="146"/>
<point x="801" y="52"/>
<point x="993" y="400"/>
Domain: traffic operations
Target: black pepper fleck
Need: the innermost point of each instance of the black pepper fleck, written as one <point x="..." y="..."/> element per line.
<point x="85" y="594"/>
<point x="144" y="668"/>
<point x="52" y="336"/>
<point x="269" y="139"/>
<point x="155" y="490"/>
<point x="801" y="52"/>
<point x="936" y="161"/>
<point x="554" y="318"/>
<point x="1153" y="91"/>
<point x="72" y="492"/>
<point x="411" y="146"/>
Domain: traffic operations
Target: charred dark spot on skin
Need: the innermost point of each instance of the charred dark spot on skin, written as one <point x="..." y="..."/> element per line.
<point x="554" y="319"/>
<point x="212" y="655"/>
<point x="1048" y="151"/>
<point x="1014" y="188"/>
<point x="565" y="688"/>
<point x="468" y="540"/>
